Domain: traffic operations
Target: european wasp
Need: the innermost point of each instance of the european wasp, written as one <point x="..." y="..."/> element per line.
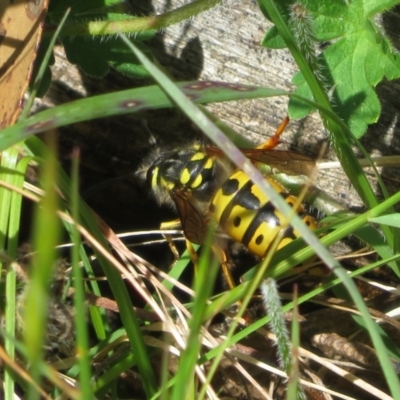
<point x="206" y="188"/>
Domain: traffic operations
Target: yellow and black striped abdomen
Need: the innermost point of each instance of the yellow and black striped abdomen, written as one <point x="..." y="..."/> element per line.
<point x="247" y="216"/>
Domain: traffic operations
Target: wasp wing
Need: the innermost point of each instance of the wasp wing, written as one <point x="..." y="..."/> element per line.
<point x="286" y="161"/>
<point x="194" y="224"/>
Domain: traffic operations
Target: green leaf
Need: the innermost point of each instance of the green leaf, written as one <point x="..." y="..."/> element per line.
<point x="354" y="64"/>
<point x="390" y="220"/>
<point x="95" y="56"/>
<point x="374" y="238"/>
<point x="273" y="40"/>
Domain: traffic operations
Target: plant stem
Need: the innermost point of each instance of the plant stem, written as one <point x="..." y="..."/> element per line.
<point x="135" y="25"/>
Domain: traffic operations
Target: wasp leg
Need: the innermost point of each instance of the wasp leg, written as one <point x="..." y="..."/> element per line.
<point x="274" y="140"/>
<point x="192" y="253"/>
<point x="223" y="260"/>
<point x="176" y="224"/>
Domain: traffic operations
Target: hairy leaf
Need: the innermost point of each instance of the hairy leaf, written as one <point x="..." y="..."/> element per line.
<point x="359" y="58"/>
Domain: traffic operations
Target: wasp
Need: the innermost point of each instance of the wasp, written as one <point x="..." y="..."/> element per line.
<point x="206" y="188"/>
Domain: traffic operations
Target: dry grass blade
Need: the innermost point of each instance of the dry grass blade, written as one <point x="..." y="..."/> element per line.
<point x="346" y="375"/>
<point x="21" y="372"/>
<point x="254" y="361"/>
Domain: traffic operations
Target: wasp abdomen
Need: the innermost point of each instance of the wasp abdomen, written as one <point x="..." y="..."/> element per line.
<point x="243" y="211"/>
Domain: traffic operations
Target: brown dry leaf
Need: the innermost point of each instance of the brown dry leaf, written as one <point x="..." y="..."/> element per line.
<point x="21" y="24"/>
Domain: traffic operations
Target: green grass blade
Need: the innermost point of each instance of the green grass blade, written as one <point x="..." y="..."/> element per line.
<point x="206" y="275"/>
<point x="46" y="230"/>
<point x="339" y="138"/>
<point x="82" y="335"/>
<point x="9" y="228"/>
<point x="124" y="102"/>
<point x="42" y="68"/>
